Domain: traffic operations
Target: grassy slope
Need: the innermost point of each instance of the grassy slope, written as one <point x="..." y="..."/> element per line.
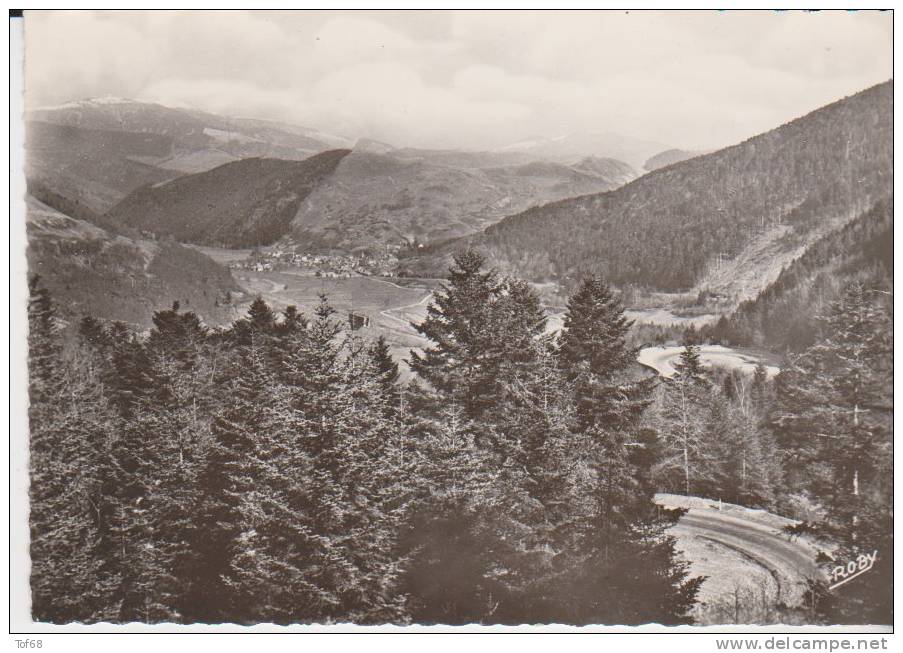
<point x="91" y="271"/>
<point x="93" y="167"/>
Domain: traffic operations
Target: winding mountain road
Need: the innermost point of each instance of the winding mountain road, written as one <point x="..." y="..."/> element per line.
<point x="388" y="312"/>
<point x="662" y="359"/>
<point x="754" y="537"/>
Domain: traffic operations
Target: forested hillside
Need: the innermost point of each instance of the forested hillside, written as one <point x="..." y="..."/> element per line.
<point x="90" y="270"/>
<point x="605" y="168"/>
<point x="666" y="229"/>
<point x="783" y="316"/>
<point x="241" y="204"/>
<point x="350" y="200"/>
<point x="374" y="199"/>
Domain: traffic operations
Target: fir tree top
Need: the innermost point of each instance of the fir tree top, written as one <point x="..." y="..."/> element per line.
<point x="595" y="330"/>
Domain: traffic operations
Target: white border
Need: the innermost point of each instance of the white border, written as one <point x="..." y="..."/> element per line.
<point x="20" y="621"/>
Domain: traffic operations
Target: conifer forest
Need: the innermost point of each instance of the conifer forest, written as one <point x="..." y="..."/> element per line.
<point x="275" y="471"/>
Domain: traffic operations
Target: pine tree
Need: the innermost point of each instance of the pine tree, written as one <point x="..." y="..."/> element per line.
<point x="374" y="478"/>
<point x="535" y="446"/>
<point x="689" y="366"/>
<point x="259" y="320"/>
<point x="92" y="334"/>
<point x="460" y="364"/>
<point x="835" y="403"/>
<point x="292" y="321"/>
<point x="127" y="374"/>
<point x="746" y="466"/>
<point x="386" y="373"/>
<point x="161" y="455"/>
<point x="483" y="355"/>
<point x="834" y="421"/>
<point x="386" y="367"/>
<point x="351" y="496"/>
<point x="265" y="502"/>
<point x="595" y="357"/>
<point x="683" y="405"/>
<point x="616" y="523"/>
<point x="71" y="579"/>
<point x="44" y="348"/>
<point x="178" y="337"/>
<point x="595" y="331"/>
<point x="609" y="404"/>
<point x="223" y="478"/>
<point x="71" y="430"/>
<point x="535" y="414"/>
<point x="450" y="538"/>
<point x="761" y="389"/>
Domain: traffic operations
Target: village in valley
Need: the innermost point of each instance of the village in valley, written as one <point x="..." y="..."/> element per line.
<point x="329" y="265"/>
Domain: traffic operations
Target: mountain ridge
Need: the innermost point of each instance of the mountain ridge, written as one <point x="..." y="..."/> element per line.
<point x="571" y="147"/>
<point x="669" y="157"/>
<point x="95" y="152"/>
<point x="665" y="229"/>
<point x="244" y="203"/>
<point x="366" y="199"/>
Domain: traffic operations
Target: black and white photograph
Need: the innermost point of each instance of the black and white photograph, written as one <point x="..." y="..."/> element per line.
<point x="457" y="320"/>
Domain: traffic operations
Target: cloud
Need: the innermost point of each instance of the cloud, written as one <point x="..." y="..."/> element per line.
<point x="825" y="44"/>
<point x="470" y="78"/>
<point x="77" y="54"/>
<point x="234" y="98"/>
<point x="392" y="102"/>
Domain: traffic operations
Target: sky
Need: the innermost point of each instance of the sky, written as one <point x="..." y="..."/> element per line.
<point x="469" y="79"/>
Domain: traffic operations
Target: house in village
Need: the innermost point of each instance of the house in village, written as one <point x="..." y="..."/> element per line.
<point x="358" y="320"/>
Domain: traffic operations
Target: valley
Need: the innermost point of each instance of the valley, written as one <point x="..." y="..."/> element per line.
<point x="391" y="308"/>
<point x="724" y="223"/>
<point x="378" y="224"/>
<point x="686" y="244"/>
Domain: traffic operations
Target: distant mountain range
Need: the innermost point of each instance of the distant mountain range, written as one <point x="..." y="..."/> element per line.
<point x="364" y="198"/>
<point x="95" y="152"/>
<point x="93" y="168"/>
<point x="734" y="217"/>
<point x="214" y="180"/>
<point x="115" y="185"/>
<point x="130" y="179"/>
<point x="573" y="147"/>
<point x="668" y="157"/>
<point x="190" y="128"/>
